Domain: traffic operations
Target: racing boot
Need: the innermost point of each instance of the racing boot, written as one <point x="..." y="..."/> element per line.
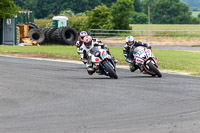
<point x="115" y="61"/>
<point x="133" y="66"/>
<point x="90" y="69"/>
<point x="84" y="60"/>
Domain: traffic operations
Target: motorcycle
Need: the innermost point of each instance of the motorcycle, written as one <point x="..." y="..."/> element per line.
<point x="146" y="61"/>
<point x="103" y="63"/>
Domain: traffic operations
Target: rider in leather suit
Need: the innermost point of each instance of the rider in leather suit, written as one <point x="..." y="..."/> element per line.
<point x="80" y="42"/>
<point x="89" y="46"/>
<point x="128" y="50"/>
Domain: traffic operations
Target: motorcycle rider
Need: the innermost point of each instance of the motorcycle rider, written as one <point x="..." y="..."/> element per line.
<point x="128" y="50"/>
<point x="90" y="45"/>
<point x="80" y="42"/>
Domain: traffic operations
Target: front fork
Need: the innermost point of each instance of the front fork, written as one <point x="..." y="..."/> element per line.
<point x="148" y="61"/>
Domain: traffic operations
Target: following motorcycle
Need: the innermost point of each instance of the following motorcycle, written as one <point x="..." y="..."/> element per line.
<point x="146" y="61"/>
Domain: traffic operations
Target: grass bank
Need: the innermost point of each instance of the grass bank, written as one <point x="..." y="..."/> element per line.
<point x="182" y="61"/>
<point x="165" y="26"/>
<point x="52" y="51"/>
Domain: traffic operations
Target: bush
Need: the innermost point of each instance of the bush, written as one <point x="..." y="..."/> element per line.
<point x="139" y="18"/>
<point x="79" y="23"/>
<point x="195" y="20"/>
<point x="199" y="15"/>
<point x="122" y="11"/>
<point x="42" y="23"/>
<point x="100" y="18"/>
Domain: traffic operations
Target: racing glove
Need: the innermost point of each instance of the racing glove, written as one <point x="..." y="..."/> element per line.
<point x="146" y="45"/>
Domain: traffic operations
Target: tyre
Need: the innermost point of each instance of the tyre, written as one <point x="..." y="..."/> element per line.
<point x="49" y="34"/>
<point x="36" y="35"/>
<point x="111" y="72"/>
<point x="154" y="69"/>
<point x="32" y="25"/>
<point x="69" y="35"/>
<point x="44" y="31"/>
<point x="57" y="37"/>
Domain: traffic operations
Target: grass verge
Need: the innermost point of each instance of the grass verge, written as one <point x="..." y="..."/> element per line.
<point x="195" y="46"/>
<point x="182" y="61"/>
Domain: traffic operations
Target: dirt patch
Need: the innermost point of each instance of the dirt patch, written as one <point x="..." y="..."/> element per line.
<point x="156" y="40"/>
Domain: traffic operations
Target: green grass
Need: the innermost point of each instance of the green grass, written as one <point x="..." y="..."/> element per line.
<point x="56" y="51"/>
<point x="170" y="30"/>
<point x="165" y="26"/>
<point x="195" y="46"/>
<point x="188" y="62"/>
<point x="182" y="61"/>
<point x="179" y="60"/>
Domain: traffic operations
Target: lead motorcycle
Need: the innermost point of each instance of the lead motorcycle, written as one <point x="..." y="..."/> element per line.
<point x="146" y="61"/>
<point x="103" y="63"/>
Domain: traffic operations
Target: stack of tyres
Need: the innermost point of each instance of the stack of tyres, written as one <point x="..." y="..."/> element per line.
<point x="48" y="35"/>
<point x="62" y="35"/>
<point x="65" y="35"/>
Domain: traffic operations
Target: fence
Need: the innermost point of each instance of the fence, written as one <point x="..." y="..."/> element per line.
<point x="154" y="37"/>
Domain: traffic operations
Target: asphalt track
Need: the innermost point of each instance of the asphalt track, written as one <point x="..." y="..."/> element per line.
<point x="39" y="96"/>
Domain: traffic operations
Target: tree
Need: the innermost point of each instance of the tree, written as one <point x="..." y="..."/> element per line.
<point x="139" y="18"/>
<point x="171" y="12"/>
<point x="43" y="8"/>
<point x="68" y="13"/>
<point x="8" y="9"/>
<point x="137" y="6"/>
<point x="108" y="3"/>
<point x="147" y="3"/>
<point x="100" y="18"/>
<point x="46" y="7"/>
<point x="122" y="11"/>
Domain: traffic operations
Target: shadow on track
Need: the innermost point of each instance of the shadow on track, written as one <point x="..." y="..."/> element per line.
<point x="124" y="77"/>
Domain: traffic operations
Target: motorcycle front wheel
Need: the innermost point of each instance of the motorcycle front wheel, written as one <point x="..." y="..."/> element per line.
<point x="111" y="72"/>
<point x="154" y="69"/>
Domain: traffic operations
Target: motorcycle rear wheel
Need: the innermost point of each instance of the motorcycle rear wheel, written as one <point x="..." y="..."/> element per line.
<point x="111" y="72"/>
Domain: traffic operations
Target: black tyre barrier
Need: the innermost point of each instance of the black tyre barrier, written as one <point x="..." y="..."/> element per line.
<point x="49" y="34"/>
<point x="69" y="35"/>
<point x="65" y="35"/>
<point x="36" y="35"/>
<point x="62" y="35"/>
<point x="32" y="25"/>
<point x="56" y="36"/>
<point x="44" y="31"/>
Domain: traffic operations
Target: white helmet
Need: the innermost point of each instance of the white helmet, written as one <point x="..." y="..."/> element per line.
<point x="130" y="39"/>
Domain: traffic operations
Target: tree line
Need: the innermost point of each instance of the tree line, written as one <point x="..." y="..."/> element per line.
<point x="43" y="8"/>
<point x="111" y="14"/>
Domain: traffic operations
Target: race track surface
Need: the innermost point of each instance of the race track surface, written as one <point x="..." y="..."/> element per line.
<point x="58" y="97"/>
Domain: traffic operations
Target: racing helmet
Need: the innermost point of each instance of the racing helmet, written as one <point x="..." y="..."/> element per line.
<point x="87" y="41"/>
<point x="130" y="40"/>
<point x="82" y="35"/>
